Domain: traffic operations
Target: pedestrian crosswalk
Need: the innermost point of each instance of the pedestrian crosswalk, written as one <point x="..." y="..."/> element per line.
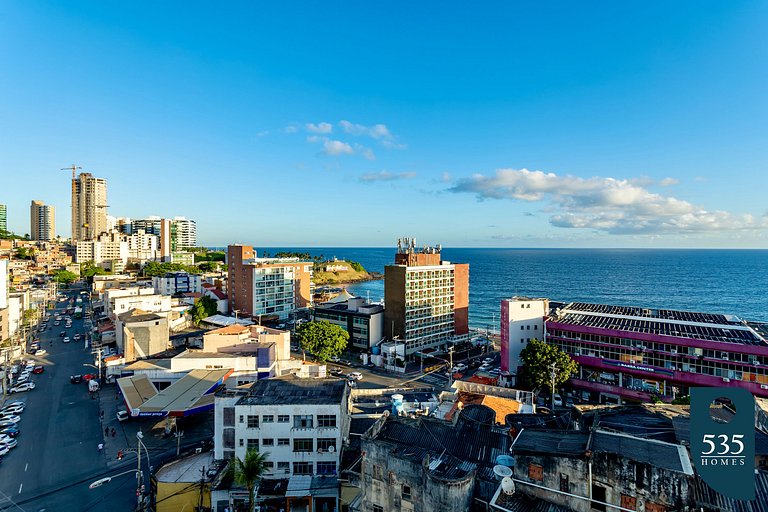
<point x="434" y="380"/>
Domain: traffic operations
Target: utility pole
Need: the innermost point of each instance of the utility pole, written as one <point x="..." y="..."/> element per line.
<point x="450" y="370"/>
<point x="179" y="435"/>
<point x="553" y="369"/>
<point x="139" y="496"/>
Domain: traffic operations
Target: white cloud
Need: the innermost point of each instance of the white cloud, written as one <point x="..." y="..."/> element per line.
<point x="378" y="132"/>
<point x="604" y="204"/>
<point x="263" y="133"/>
<point x="319" y="127"/>
<point x="337" y="147"/>
<point x="386" y="176"/>
<point x="291" y="129"/>
<point x="666" y="182"/>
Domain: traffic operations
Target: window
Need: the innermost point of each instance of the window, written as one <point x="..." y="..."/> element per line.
<point x="241" y="418"/>
<point x="377" y="472"/>
<point x="229" y="416"/>
<point x="269" y="464"/>
<point x="522" y="327"/>
<point x="406" y="492"/>
<point x="564" y="483"/>
<point x="325" y="443"/>
<point x="253" y="443"/>
<point x="268" y="418"/>
<point x="326" y="468"/>
<point x="302" y="421"/>
<point x="598" y="494"/>
<point x="303" y="445"/>
<point x="535" y="327"/>
<point x="535" y="472"/>
<point x="283" y="418"/>
<point x="253" y="421"/>
<point x="522" y="340"/>
<point x="283" y="441"/>
<point x="268" y="442"/>
<point x="228" y="437"/>
<point x="242" y="443"/>
<point x="529" y="327"/>
<point x="284" y="466"/>
<point x="378" y="508"/>
<point x="326" y="421"/>
<point x="302" y="468"/>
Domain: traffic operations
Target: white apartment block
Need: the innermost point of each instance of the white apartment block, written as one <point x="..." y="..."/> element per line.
<point x="143" y="246"/>
<point x="302" y="423"/>
<point x="107" y="247"/>
<point x="177" y="282"/>
<point x="42" y="222"/>
<point x="186" y="232"/>
<point x="522" y="319"/>
<point x="89" y="203"/>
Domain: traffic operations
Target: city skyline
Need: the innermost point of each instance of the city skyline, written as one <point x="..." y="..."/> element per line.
<point x="512" y="126"/>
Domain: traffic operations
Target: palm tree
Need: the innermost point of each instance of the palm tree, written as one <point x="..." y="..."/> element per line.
<point x="248" y="470"/>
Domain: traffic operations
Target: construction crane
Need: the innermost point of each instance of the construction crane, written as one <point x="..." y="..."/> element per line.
<point x="72" y="168"/>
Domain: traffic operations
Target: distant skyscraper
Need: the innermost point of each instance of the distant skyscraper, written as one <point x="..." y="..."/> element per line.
<point x="42" y="221"/>
<point x="186" y="232"/>
<point x="89" y="203"/>
<point x="3" y="218"/>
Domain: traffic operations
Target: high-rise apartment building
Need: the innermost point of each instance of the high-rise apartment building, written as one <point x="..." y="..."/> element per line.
<point x="186" y="232"/>
<point x="426" y="299"/>
<point x="42" y="221"/>
<point x="89" y="204"/>
<point x="3" y="217"/>
<point x="268" y="287"/>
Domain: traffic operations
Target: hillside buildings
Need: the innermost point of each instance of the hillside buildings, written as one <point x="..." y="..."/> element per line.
<point x="42" y="221"/>
<point x="89" y="203"/>
<point x="426" y="299"/>
<point x="267" y="287"/>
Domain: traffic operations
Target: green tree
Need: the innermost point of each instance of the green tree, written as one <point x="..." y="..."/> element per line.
<point x="208" y="266"/>
<point x="537" y="358"/>
<point x="356" y="266"/>
<point x="248" y="471"/>
<point x="203" y="308"/>
<point x="88" y="269"/>
<point x="24" y="253"/>
<point x="155" y="269"/>
<point x="322" y="339"/>
<point x="682" y="400"/>
<point x="65" y="276"/>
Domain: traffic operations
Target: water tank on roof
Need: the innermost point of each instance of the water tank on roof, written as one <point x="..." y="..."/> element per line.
<point x="505" y="460"/>
<point x="501" y="471"/>
<point x="397" y="404"/>
<point x="376" y="350"/>
<point x="478" y="415"/>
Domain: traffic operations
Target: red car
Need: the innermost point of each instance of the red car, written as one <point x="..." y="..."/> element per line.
<point x="88" y="376"/>
<point x="38" y="369"/>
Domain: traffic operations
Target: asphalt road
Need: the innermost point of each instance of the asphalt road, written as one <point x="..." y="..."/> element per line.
<point x="60" y="433"/>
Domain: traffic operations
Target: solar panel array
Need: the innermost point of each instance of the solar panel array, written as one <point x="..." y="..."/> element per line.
<point x="666" y="314"/>
<point x="662" y="328"/>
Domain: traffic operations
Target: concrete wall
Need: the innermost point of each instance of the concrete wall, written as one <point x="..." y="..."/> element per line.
<point x="394" y="302"/>
<point x="144" y="339"/>
<point x="212" y="342"/>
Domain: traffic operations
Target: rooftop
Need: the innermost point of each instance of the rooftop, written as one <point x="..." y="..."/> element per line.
<point x="567" y="444"/>
<point x="230" y="329"/>
<point x="662" y="322"/>
<point x="185" y="470"/>
<point x="673" y="457"/>
<point x="139" y="315"/>
<point x="294" y="391"/>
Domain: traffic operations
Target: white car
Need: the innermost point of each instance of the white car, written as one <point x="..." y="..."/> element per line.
<point x="66" y="339"/>
<point x="4" y="449"/>
<point x="355" y="376"/>
<point x="485" y="368"/>
<point x="488" y="360"/>
<point x="12" y="418"/>
<point x="6" y="424"/>
<point x="16" y="403"/>
<point x="10" y="443"/>
<point x="41" y="352"/>
<point x="558" y="400"/>
<point x="12" y="409"/>
<point x="23" y="387"/>
<point x="123" y="415"/>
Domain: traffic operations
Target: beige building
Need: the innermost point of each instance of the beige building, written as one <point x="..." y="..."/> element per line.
<point x="144" y="334"/>
<point x="42" y="221"/>
<point x="236" y="337"/>
<point x="107" y="247"/>
<point x="89" y="203"/>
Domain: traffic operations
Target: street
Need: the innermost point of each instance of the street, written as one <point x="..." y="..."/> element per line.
<point x="57" y="455"/>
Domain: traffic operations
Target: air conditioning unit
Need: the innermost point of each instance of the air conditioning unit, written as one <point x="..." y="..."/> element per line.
<point x="726" y="379"/>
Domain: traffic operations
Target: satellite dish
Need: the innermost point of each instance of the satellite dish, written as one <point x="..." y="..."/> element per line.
<point x="331" y="449"/>
<point x="508" y="486"/>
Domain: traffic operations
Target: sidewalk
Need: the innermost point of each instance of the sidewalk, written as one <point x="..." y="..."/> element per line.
<point x="197" y="429"/>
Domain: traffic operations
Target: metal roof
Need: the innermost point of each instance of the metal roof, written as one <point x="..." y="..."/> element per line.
<point x="293" y="390"/>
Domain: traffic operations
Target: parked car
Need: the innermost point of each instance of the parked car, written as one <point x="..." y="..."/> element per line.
<point x="10" y="443"/>
<point x="38" y="369"/>
<point x="57" y="323"/>
<point x="336" y="372"/>
<point x="12" y="417"/>
<point x="485" y="368"/>
<point x="88" y="376"/>
<point x="10" y="431"/>
<point x="40" y="352"/>
<point x="23" y="387"/>
<point x="4" y="449"/>
<point x="461" y="367"/>
<point x="12" y="409"/>
<point x="488" y="360"/>
<point x="569" y="402"/>
<point x="66" y="339"/>
<point x="474" y="364"/>
<point x="355" y="376"/>
<point x="16" y="402"/>
<point x="558" y="400"/>
<point x="62" y="334"/>
<point x="123" y="415"/>
<point x="75" y="379"/>
<point x="6" y="424"/>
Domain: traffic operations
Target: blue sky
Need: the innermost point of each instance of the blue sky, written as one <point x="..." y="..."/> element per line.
<point x="513" y="124"/>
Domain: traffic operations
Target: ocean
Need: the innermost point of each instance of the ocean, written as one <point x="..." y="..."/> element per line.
<point x="713" y="281"/>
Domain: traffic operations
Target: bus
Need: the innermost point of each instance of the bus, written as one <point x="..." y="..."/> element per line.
<point x="78" y="312"/>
